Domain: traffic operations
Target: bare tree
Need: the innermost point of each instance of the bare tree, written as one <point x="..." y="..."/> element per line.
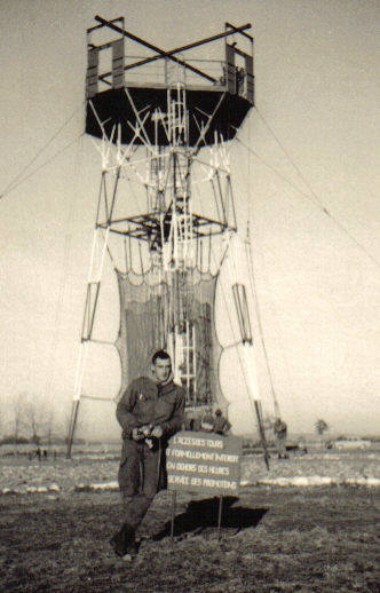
<point x="19" y="403"/>
<point x="40" y="418"/>
<point x="18" y="411"/>
<point x="31" y="417"/>
<point x="49" y="424"/>
<point x="321" y="426"/>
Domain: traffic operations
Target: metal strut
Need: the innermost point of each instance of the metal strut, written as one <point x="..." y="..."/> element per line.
<point x="171" y="53"/>
<point x="168" y="236"/>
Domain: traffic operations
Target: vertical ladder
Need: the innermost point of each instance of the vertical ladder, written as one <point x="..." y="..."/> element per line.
<point x="189" y="358"/>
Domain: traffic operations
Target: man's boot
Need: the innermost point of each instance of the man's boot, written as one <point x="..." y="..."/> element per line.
<point x="123" y="542"/>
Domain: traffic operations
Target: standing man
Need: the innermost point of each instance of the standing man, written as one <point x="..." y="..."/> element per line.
<point x="221" y="424"/>
<point x="281" y="430"/>
<point x="150" y="411"/>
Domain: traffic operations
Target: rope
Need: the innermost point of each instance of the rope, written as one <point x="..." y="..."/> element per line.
<point x="237" y="340"/>
<point x="57" y="154"/>
<point x="312" y="196"/>
<point x="13" y="184"/>
<point x="254" y="290"/>
<point x="269" y="166"/>
<point x="252" y="280"/>
<point x="242" y="357"/>
<point x="62" y="285"/>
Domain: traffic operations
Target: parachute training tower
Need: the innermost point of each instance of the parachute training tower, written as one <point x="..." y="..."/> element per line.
<point x="164" y="124"/>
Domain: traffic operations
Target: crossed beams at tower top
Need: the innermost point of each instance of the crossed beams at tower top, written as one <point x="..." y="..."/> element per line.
<point x="224" y="87"/>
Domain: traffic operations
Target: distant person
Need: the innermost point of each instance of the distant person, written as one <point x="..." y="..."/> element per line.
<point x="280" y="431"/>
<point x="221" y="424"/>
<point x="240" y="76"/>
<point x="193" y="424"/>
<point x="190" y="424"/>
<point x="150" y="411"/>
<point x="38" y="453"/>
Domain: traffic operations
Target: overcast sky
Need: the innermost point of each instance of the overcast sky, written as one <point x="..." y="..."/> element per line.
<point x="314" y="145"/>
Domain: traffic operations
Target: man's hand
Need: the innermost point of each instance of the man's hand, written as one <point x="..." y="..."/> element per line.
<point x="157" y="431"/>
<point x="137" y="434"/>
<point x="146" y="430"/>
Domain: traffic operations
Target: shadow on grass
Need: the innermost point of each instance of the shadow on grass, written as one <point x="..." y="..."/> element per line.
<point x="201" y="514"/>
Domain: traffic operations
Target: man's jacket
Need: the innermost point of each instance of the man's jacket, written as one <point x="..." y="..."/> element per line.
<point x="147" y="402"/>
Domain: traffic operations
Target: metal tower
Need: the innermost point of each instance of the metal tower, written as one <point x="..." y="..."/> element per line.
<point x="162" y="121"/>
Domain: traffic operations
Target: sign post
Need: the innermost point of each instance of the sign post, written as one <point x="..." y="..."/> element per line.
<point x="204" y="463"/>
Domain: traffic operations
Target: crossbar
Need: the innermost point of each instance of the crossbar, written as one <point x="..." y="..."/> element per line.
<point x="238" y="30"/>
<point x="154" y="48"/>
<point x="172" y="52"/>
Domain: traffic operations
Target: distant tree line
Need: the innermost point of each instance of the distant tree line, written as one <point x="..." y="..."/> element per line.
<point x="30" y="419"/>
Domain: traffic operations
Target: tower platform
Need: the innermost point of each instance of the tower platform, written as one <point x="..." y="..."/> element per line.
<point x="122" y="96"/>
<point x="113" y="107"/>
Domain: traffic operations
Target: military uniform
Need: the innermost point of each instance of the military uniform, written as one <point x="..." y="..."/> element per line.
<point x="142" y="469"/>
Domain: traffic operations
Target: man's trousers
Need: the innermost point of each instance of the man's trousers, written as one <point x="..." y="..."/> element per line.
<point x="140" y="478"/>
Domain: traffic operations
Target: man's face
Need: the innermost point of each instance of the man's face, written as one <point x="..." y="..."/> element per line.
<point x="161" y="369"/>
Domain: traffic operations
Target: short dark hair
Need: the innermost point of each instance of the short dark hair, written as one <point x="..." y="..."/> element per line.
<point x="161" y="354"/>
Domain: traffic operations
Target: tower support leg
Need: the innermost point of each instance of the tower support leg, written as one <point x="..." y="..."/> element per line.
<point x="73" y="423"/>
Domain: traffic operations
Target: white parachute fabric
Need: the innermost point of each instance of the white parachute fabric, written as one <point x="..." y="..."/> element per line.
<point x="238" y="364"/>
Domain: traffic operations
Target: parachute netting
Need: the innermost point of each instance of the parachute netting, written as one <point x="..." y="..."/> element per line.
<point x="155" y="305"/>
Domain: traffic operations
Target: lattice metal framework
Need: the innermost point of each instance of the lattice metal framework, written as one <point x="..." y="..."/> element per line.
<point x="162" y="124"/>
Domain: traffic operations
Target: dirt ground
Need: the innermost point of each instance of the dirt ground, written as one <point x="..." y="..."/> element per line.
<point x="295" y="540"/>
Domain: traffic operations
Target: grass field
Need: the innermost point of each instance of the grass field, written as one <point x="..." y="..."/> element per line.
<point x="274" y="539"/>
